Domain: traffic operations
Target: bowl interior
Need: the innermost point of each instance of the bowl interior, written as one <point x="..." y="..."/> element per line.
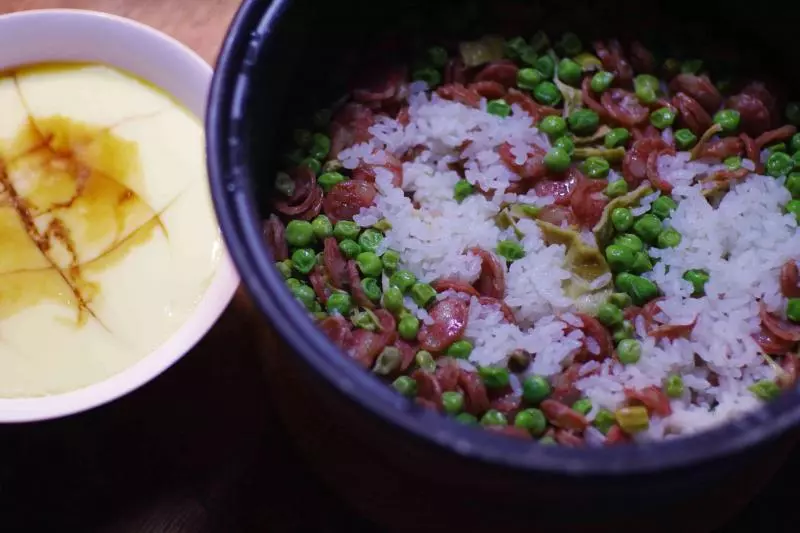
<point x="85" y="36"/>
<point x="278" y="67"/>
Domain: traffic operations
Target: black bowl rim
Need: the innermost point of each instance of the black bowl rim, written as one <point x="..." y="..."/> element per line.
<point x="237" y="213"/>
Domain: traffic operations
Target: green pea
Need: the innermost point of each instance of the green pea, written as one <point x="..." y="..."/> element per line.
<point x="312" y="163"/>
<point x="692" y="66"/>
<point x="569" y="72"/>
<point x="793" y="207"/>
<point x="528" y="57"/>
<point x="794" y="144"/>
<point x="494" y="377"/>
<point x="623" y="331"/>
<point x="514" y="47"/>
<point x="510" y="250"/>
<point x="369" y="264"/>
<point x="547" y="66"/>
<point x="302" y="137"/>
<point x="779" y="164"/>
<point x="305" y="295"/>
<point x="583" y="406"/>
<point x="320" y="146"/>
<point x="615" y="189"/>
<point x="557" y="160"/>
<point x="532" y="420"/>
<point x="641" y="263"/>
<point x="422" y="294"/>
<point x="596" y="167"/>
<point x="466" y="419"/>
<point x="285" y="268"/>
<point x="405" y="386"/>
<point x="648" y="227"/>
<point x="459" y="349"/>
<point x="777" y="147"/>
<point x="339" y="302"/>
<point x="321" y="227"/>
<point x="370" y="239"/>
<point x="539" y="41"/>
<point x="684" y="139"/>
<point x="332" y="165"/>
<point x="498" y="108"/>
<point x="535" y="389"/>
<point x="624" y="282"/>
<point x="616" y="137"/>
<point x="425" y="361"/>
<point x="569" y="45"/>
<point x="329" y="179"/>
<point x="393" y="299"/>
<point x="583" y="121"/>
<point x="698" y="278"/>
<point x="793" y="309"/>
<point x="629" y="351"/>
<point x="601" y="81"/>
<point x="565" y="143"/>
<point x="493" y="417"/>
<point x="630" y="241"/>
<point x="403" y="280"/>
<point x="349" y="248"/>
<point x="547" y="93"/>
<point x="529" y="78"/>
<point x="292" y="283"/>
<point x="620" y="299"/>
<point x="662" y="118"/>
<point x="793" y="113"/>
<point x="364" y="320"/>
<point x="796" y="159"/>
<point x="547" y="440"/>
<point x="321" y="118"/>
<point x="388" y="361"/>
<point x="619" y="258"/>
<point x="622" y="218"/>
<point x="728" y="119"/>
<point x="673" y="386"/>
<point x="765" y="390"/>
<point x="303" y="260"/>
<point x="371" y="288"/>
<point x="603" y="420"/>
<point x="437" y="56"/>
<point x="390" y="261"/>
<point x="346" y="229"/>
<point x="643" y="290"/>
<point x="429" y="75"/>
<point x="461" y="190"/>
<point x="663" y="206"/>
<point x="553" y="126"/>
<point x="383" y="225"/>
<point x="453" y="402"/>
<point x="408" y="327"/>
<point x="299" y="233"/>
<point x="284" y="184"/>
<point x="609" y="314"/>
<point x="646" y="88"/>
<point x="793" y="184"/>
<point x="669" y="238"/>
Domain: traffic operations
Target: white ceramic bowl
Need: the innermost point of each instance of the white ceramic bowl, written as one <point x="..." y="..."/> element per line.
<point x="73" y="35"/>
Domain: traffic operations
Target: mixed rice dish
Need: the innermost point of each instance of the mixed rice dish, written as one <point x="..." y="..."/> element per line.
<point x="575" y="244"/>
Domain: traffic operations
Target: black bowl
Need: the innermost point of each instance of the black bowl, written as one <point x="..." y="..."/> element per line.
<point x="282" y="60"/>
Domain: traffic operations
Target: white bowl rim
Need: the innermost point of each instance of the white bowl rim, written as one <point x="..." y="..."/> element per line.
<point x="219" y="292"/>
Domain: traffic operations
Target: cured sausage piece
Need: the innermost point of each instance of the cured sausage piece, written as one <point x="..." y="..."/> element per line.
<point x="634" y="164"/>
<point x="588" y="201"/>
<point x="652" y="397"/>
<point x="652" y="170"/>
<point x="562" y="416"/>
<point x="428" y="387"/>
<point x="274" y="235"/>
<point x="771" y="344"/>
<point x="721" y="148"/>
<point x="335" y="263"/>
<point x="751" y="152"/>
<point x="350" y="126"/>
<point x="510" y="431"/>
<point x="503" y="72"/>
<point x="564" y="390"/>
<point x="449" y="322"/>
<point x="623" y="107"/>
<point x="491" y="90"/>
<point x="587" y="95"/>
<point x="347" y="198"/>
<point x="366" y="172"/>
<point x="592" y="328"/>
<point x="492" y="280"/>
<point x="754" y="115"/>
<point x="699" y="88"/>
<point x="446" y="284"/>
<point x="508" y="314"/>
<point x="780" y="134"/>
<point x="476" y="401"/>
<point x="354" y="278"/>
<point x="779" y="328"/>
<point x="613" y="61"/>
<point x="557" y="215"/>
<point x="532" y="169"/>
<point x="692" y="114"/>
<point x="317" y="280"/>
<point x="458" y="93"/>
<point x="536" y="111"/>
<point x="789" y="277"/>
<point x="568" y="438"/>
<point x="338" y="329"/>
<point x="382" y="85"/>
<point x="560" y="190"/>
<point x="642" y="59"/>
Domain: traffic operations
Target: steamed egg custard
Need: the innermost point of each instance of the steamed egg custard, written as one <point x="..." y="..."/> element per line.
<point x="108" y="234"/>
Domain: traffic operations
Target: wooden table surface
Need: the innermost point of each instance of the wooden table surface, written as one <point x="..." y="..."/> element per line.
<point x="198" y="449"/>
